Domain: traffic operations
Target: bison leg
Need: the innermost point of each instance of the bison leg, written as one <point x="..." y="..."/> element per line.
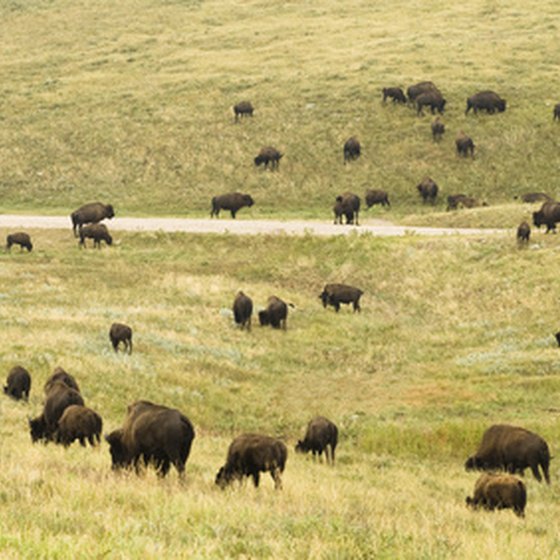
<point x="91" y="440"/>
<point x="535" y="470"/>
<point x="233" y="212"/>
<point x="130" y="347"/>
<point x="275" y="473"/>
<point x="82" y="441"/>
<point x="256" y="478"/>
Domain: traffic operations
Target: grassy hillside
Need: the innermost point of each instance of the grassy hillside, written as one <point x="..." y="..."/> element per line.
<point x="130" y="102"/>
<point x="454" y="335"/>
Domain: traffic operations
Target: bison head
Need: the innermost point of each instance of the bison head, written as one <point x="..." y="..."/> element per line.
<point x="223" y="477"/>
<point x="538" y="218"/>
<point x="38" y="429"/>
<point x="501" y="105"/>
<point x="119" y="456"/>
<point x="264" y="318"/>
<point x="108" y="239"/>
<point x="259" y="160"/>
<point x="301" y="446"/>
<point x="473" y="463"/>
<point x="109" y="210"/>
<point x="248" y="200"/>
<point x="324" y="297"/>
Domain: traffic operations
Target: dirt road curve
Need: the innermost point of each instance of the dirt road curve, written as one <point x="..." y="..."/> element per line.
<point x="240" y="227"/>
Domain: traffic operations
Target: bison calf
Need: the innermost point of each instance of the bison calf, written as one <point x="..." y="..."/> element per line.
<point x="243" y="109"/>
<point x="523" y="232"/>
<point x="464" y="145"/>
<point x="352" y="149"/>
<point x="499" y="491"/>
<point x="275" y="314"/>
<point x="20" y="238"/>
<point x="268" y="156"/>
<point x="321" y="435"/>
<point x="121" y="333"/>
<point x="78" y="423"/>
<point x="395" y="93"/>
<point x="242" y="310"/>
<point x="18" y="383"/>
<point x="97" y="232"/>
<point x="233" y="202"/>
<point x="335" y="294"/>
<point x="438" y="128"/>
<point x="374" y="196"/>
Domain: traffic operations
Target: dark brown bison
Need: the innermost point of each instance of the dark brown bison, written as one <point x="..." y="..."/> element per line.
<point x="335" y="294"/>
<point x="511" y="449"/>
<point x="428" y="190"/>
<point x="548" y="215"/>
<point x="59" y="375"/>
<point x="275" y="314"/>
<point x="19" y="238"/>
<point x="121" y="333"/>
<point x="18" y="383"/>
<point x="243" y="310"/>
<point x="321" y="435"/>
<point x="523" y="232"/>
<point x="432" y="99"/>
<point x="464" y="145"/>
<point x="418" y="89"/>
<point x="556" y="112"/>
<point x="487" y="101"/>
<point x="233" y="202"/>
<point x="97" y="232"/>
<point x="557" y="337"/>
<point x="268" y="156"/>
<point x="499" y="491"/>
<point x="352" y="149"/>
<point x="152" y="434"/>
<point x="251" y="454"/>
<point x="453" y="201"/>
<point x="348" y="205"/>
<point x="243" y="109"/>
<point x="58" y="399"/>
<point x="438" y="128"/>
<point x="374" y="196"/>
<point x="91" y="213"/>
<point x="78" y="423"/>
<point x="395" y="93"/>
<point x="534" y="197"/>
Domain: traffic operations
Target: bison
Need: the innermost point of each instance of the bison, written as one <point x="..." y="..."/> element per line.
<point x="97" y="232"/>
<point x="243" y="109"/>
<point x="499" y="491"/>
<point x="20" y="238"/>
<point x="18" y="383"/>
<point x="374" y="196"/>
<point x="152" y="434"/>
<point x="395" y="93"/>
<point x="418" y="89"/>
<point x="352" y="149"/>
<point x="464" y="145"/>
<point x="548" y="215"/>
<point x="534" y="197"/>
<point x="275" y="314"/>
<point x="556" y="112"/>
<point x="453" y="201"/>
<point x="121" y="333"/>
<point x="428" y="190"/>
<point x="242" y="310"/>
<point x="321" y="434"/>
<point x="348" y="205"/>
<point x="232" y="201"/>
<point x="78" y="423"/>
<point x="59" y="375"/>
<point x="268" y="155"/>
<point x="488" y="101"/>
<point x="523" y="233"/>
<point x="512" y="449"/>
<point x="557" y="337"/>
<point x="251" y="454"/>
<point x="91" y="213"/>
<point x="335" y="294"/>
<point x="432" y="99"/>
<point x="438" y="128"/>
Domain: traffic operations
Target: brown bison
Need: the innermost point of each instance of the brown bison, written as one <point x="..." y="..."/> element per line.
<point x="438" y="128"/>
<point x="91" y="213"/>
<point x="121" y="333"/>
<point x="374" y="196"/>
<point x="428" y="190"/>
<point x="523" y="232"/>
<point x="335" y="294"/>
<point x="243" y="310"/>
<point x="321" y="434"/>
<point x="243" y="109"/>
<point x="348" y="205"/>
<point x="534" y="197"/>
<point x="251" y="454"/>
<point x="511" y="449"/>
<point x="97" y="232"/>
<point x="78" y="423"/>
<point x="152" y="434"/>
<point x="453" y="201"/>
<point x="20" y="238"/>
<point x="557" y="337"/>
<point x="548" y="215"/>
<point x="268" y="156"/>
<point x="18" y="383"/>
<point x="556" y="112"/>
<point x="232" y="201"/>
<point x="418" y="89"/>
<point x="499" y="491"/>
<point x="432" y="99"/>
<point x="59" y="375"/>
<point x="395" y="93"/>
<point x="464" y="145"/>
<point x="275" y="314"/>
<point x="352" y="149"/>
<point x="487" y="101"/>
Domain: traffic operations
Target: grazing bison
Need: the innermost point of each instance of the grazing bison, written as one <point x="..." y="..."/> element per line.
<point x="242" y="310"/>
<point x="499" y="491"/>
<point x="335" y="294"/>
<point x="275" y="314"/>
<point x="18" y="383"/>
<point x="556" y="112"/>
<point x="557" y="337"/>
<point x="438" y="128"/>
<point x="418" y="89"/>
<point x="432" y="99"/>
<point x="523" y="232"/>
<point x="121" y="333"/>
<point x="251" y="454"/>
<point x="374" y="196"/>
<point x="511" y="449"/>
<point x="78" y="423"/>
<point x="58" y="399"/>
<point x="534" y="197"/>
<point x="59" y="375"/>
<point x="152" y="434"/>
<point x="321" y="435"/>
<point x="243" y="109"/>
<point x="268" y="155"/>
<point x="91" y="213"/>
<point x="548" y="215"/>
<point x="464" y="145"/>
<point x="395" y="93"/>
<point x="352" y="149"/>
<point x="487" y="101"/>
<point x="97" y="232"/>
<point x="232" y="201"/>
<point x="20" y="238"/>
<point x="428" y="190"/>
<point x="453" y="201"/>
<point x="348" y="205"/>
